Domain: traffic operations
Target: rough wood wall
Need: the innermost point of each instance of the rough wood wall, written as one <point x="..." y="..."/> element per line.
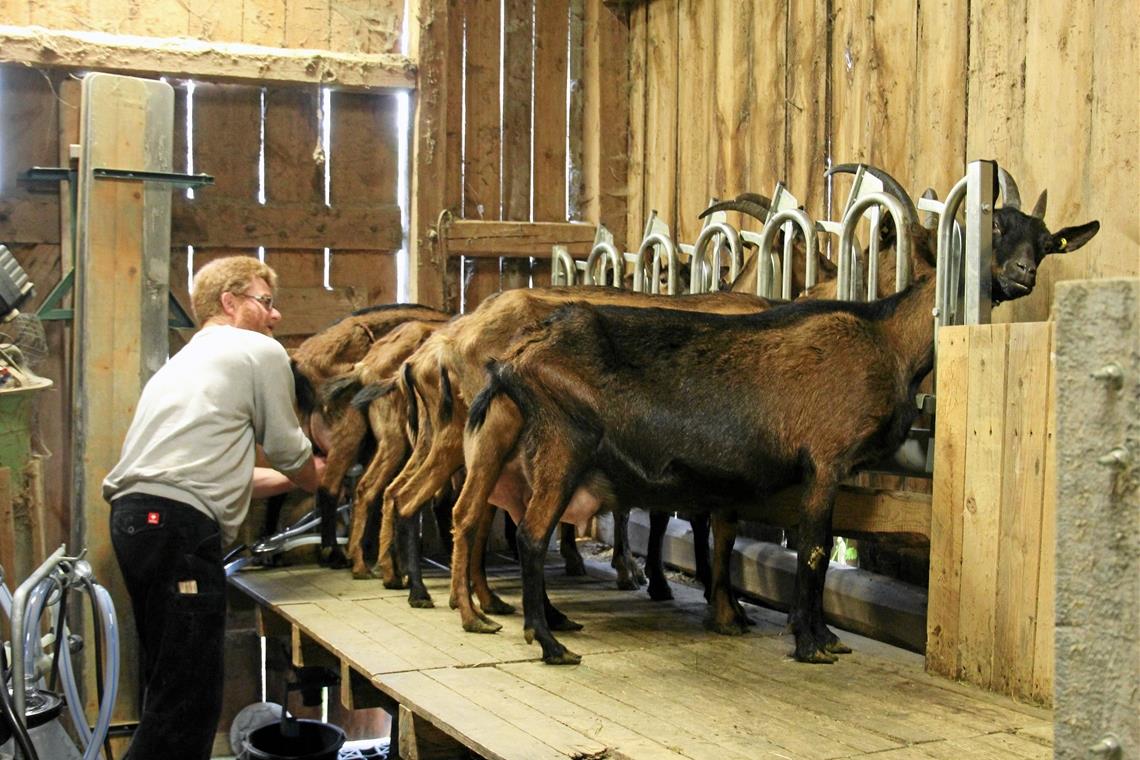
<point x="727" y="97"/>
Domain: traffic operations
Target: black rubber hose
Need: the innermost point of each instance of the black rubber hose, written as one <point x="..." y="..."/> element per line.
<point x="59" y="640"/>
<point x="19" y="731"/>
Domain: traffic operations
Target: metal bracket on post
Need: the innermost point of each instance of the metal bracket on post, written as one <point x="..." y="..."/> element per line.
<point x="50" y="309"/>
<point x="981" y="191"/>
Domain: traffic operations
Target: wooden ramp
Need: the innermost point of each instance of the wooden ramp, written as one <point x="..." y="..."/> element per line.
<point x="652" y="682"/>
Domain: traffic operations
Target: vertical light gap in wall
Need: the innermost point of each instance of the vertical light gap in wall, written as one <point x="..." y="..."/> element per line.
<point x="403" y="183"/>
<point x="569" y="162"/>
<point x="325" y="125"/>
<point x="190" y="133"/>
<point x="403" y="194"/>
<point x="264" y="688"/>
<point x="530" y="161"/>
<point x="261" y="150"/>
<point x="189" y="126"/>
<point x="502" y="101"/>
<point x="463" y="164"/>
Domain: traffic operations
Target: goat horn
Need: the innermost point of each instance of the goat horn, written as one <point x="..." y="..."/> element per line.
<point x="891" y="185"/>
<point x="1011" y="196"/>
<point x="753" y="204"/>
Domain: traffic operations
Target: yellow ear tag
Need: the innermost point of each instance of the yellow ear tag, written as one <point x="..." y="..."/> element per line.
<point x="1064" y="244"/>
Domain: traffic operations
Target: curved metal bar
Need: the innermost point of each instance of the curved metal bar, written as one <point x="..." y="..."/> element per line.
<point x="562" y="267"/>
<point x="765" y="288"/>
<point x="668" y="251"/>
<point x="697" y="262"/>
<point x="896" y="208"/>
<point x="602" y="253"/>
<point x="947" y="270"/>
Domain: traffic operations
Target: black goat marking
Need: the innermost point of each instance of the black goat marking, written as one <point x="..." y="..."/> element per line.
<point x="413" y="402"/>
<point x="370" y="393"/>
<point x="446" y="400"/>
<point x="303" y="390"/>
<point x="338" y="387"/>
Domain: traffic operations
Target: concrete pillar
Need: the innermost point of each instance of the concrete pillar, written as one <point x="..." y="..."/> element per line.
<point x="1097" y="687"/>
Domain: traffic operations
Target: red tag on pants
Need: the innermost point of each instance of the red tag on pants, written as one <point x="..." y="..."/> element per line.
<point x="153" y="518"/>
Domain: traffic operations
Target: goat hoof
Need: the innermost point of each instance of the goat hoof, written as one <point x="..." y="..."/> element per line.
<point x="639" y="576"/>
<point x="565" y="657"/>
<point x="732" y="628"/>
<point x="660" y="592"/>
<point x="628" y="583"/>
<point x="837" y="647"/>
<point x="481" y="625"/>
<point x="817" y="657"/>
<point x="497" y="606"/>
<point x="421" y="603"/>
<point x="559" y="622"/>
<point x="575" y="569"/>
<point x="397" y="581"/>
<point x="362" y="575"/>
<point x="333" y="558"/>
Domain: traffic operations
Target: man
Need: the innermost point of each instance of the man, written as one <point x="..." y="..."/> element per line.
<point x="183" y="486"/>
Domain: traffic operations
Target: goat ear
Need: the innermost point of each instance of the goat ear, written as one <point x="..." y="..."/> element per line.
<point x="1039" y="207"/>
<point x="1071" y="238"/>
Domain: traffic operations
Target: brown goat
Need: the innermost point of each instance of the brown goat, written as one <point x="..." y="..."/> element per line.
<point x="449" y="369"/>
<point x="334" y="351"/>
<point x="382" y="411"/>
<point x="660" y="409"/>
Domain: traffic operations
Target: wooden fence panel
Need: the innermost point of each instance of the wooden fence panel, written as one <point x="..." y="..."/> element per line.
<point x="482" y="197"/>
<point x="552" y="25"/>
<point x="636" y="208"/>
<point x="695" y="104"/>
<point x="991" y="544"/>
<point x="364" y="168"/>
<point x="518" y="75"/>
<point x="661" y="113"/>
<point x="806" y="120"/>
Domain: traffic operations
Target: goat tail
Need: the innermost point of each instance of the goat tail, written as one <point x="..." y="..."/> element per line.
<point x="413" y="402"/>
<point x="369" y="393"/>
<point x="339" y="387"/>
<point x="446" y="399"/>
<point x="477" y="415"/>
<point x="303" y="390"/>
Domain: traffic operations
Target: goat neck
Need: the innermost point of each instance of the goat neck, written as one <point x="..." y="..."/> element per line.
<point x="909" y="328"/>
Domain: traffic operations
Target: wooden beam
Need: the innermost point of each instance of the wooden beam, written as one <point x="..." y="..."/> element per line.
<point x="216" y="61"/>
<point x="285" y="225"/>
<point x="495" y="239"/>
<point x="429" y="37"/>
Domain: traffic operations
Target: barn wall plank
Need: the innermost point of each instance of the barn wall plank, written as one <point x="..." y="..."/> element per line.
<point x="937" y="141"/>
<point x="482" y="191"/>
<point x="662" y="103"/>
<point x="552" y="25"/>
<point x="695" y="115"/>
<point x="636" y="210"/>
<point x="807" y="110"/>
<point x="606" y="109"/>
<point x="518" y="75"/>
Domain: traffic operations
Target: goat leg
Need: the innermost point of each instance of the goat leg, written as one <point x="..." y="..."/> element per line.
<point x="815" y="643"/>
<point x="659" y="590"/>
<point x="489" y="601"/>
<point x="726" y="616"/>
<point x="331" y="555"/>
<point x="630" y="577"/>
<point x="568" y="548"/>
<point x="408" y="543"/>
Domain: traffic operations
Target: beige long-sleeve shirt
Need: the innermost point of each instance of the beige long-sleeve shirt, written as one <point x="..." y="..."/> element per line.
<point x="193" y="434"/>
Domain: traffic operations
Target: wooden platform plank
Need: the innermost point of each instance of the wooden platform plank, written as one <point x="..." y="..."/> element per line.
<point x="509" y="698"/>
<point x="624" y="706"/>
<point x="466" y="720"/>
<point x="619" y="738"/>
<point x="652" y="684"/>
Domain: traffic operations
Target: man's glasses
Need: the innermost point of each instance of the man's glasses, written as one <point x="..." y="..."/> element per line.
<point x="265" y="301"/>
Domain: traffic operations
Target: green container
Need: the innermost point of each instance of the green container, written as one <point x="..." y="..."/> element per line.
<point x="16" y="405"/>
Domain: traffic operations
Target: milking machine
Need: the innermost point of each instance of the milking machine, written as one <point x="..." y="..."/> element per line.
<point x="305" y="531"/>
<point x="38" y="675"/>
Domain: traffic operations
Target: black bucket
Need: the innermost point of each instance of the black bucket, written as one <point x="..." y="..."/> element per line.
<point x="314" y="741"/>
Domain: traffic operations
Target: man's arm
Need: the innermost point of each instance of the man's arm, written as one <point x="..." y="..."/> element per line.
<point x="269" y="482"/>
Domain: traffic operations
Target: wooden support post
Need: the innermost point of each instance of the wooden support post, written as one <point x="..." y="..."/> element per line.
<point x="122" y="268"/>
<point x="429" y="37"/>
<point x="420" y="740"/>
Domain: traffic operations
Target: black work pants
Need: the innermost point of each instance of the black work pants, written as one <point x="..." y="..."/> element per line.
<point x="171" y="558"/>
